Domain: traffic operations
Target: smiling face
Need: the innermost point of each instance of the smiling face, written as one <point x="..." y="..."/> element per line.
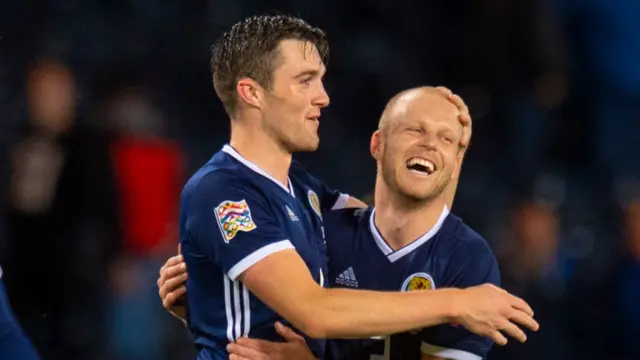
<point x="416" y="146"/>
<point x="291" y="110"/>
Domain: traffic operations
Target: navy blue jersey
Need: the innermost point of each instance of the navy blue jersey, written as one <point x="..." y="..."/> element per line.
<point x="233" y="215"/>
<point x="449" y="255"/>
<point x="14" y="345"/>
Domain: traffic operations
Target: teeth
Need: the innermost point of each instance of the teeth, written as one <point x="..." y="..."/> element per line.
<point x="422" y="162"/>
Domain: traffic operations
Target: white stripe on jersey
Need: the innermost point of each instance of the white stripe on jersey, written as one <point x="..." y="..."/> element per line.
<point x="236" y="302"/>
<point x="447" y="353"/>
<point x="246" y="310"/>
<point x="236" y="313"/>
<point x="228" y="307"/>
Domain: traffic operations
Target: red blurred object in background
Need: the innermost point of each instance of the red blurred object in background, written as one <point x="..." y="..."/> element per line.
<point x="149" y="173"/>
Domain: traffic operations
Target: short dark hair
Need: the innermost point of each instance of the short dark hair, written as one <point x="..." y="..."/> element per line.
<point x="250" y="49"/>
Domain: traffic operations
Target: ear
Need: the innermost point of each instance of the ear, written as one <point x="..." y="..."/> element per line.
<point x="250" y="92"/>
<point x="375" y="147"/>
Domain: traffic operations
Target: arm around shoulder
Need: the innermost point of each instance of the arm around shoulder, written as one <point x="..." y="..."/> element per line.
<point x="283" y="282"/>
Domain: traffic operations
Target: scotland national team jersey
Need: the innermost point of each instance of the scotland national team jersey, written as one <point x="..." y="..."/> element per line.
<point x="232" y="216"/>
<point x="449" y="255"/>
<point x="14" y="345"/>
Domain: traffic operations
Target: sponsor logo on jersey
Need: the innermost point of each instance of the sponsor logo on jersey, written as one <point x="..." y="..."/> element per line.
<point x="347" y="278"/>
<point x="418" y="281"/>
<point x="234" y="216"/>
<point x="291" y="214"/>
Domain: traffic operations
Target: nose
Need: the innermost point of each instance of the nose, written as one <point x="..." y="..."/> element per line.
<point x="322" y="99"/>
<point x="429" y="141"/>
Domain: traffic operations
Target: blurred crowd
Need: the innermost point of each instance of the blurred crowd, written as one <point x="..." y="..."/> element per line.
<point x="106" y="108"/>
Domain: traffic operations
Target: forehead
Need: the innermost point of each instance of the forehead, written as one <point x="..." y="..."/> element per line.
<point x="424" y="108"/>
<point x="300" y="55"/>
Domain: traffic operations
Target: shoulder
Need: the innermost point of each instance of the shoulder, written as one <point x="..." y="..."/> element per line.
<point x="352" y="217"/>
<point x="345" y="223"/>
<point x="470" y="260"/>
<point x="465" y="241"/>
<point x="212" y="183"/>
<point x="298" y="174"/>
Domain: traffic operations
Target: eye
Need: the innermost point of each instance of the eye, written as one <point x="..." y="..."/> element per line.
<point x="447" y="139"/>
<point x="414" y="130"/>
<point x="306" y="81"/>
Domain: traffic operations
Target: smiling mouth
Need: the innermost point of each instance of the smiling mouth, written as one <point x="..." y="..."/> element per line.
<point x="421" y="166"/>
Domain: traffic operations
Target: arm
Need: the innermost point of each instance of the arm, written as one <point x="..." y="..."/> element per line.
<point x="258" y="254"/>
<point x="354" y="203"/>
<point x="341" y="313"/>
<point x="481" y="304"/>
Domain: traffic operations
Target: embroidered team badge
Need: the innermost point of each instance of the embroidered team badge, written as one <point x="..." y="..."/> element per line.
<point x="234" y="216"/>
<point x="418" y="281"/>
<point x="314" y="201"/>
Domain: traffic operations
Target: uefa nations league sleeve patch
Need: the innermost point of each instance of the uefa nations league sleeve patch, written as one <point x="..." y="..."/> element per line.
<point x="233" y="216"/>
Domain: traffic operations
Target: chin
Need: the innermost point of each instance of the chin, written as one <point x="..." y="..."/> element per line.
<point x="306" y="147"/>
<point x="422" y="192"/>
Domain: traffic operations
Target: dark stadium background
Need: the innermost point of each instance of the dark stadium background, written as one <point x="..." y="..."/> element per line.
<point x="89" y="204"/>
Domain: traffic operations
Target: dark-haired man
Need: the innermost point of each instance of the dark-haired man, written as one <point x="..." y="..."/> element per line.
<point x="251" y="226"/>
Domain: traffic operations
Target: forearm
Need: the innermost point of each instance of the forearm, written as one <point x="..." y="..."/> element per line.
<point x="355" y="203"/>
<point x="342" y="313"/>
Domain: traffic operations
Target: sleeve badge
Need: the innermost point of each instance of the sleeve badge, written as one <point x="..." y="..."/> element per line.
<point x="233" y="216"/>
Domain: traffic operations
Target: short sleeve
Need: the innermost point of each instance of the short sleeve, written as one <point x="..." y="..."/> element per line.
<point x="452" y="341"/>
<point x="330" y="199"/>
<point x="230" y="222"/>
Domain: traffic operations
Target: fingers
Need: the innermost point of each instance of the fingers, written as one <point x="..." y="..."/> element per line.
<point x="238" y="351"/>
<point x="445" y="90"/>
<point x="497" y="337"/>
<point x="514" y="331"/>
<point x="287" y="333"/>
<point x="457" y="101"/>
<point x="173" y="261"/>
<point x="521" y="305"/>
<point x="464" y="116"/>
<point x="172" y="284"/>
<point x="524" y="319"/>
<point x="170" y="299"/>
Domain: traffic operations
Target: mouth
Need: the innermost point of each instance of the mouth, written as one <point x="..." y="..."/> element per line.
<point x="421" y="166"/>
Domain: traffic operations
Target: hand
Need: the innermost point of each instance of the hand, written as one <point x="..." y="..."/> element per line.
<point x="172" y="283"/>
<point x="464" y="116"/>
<point x="254" y="349"/>
<point x="488" y="310"/>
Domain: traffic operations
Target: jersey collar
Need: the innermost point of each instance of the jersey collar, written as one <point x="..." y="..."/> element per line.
<point x="255" y="168"/>
<point x="407" y="249"/>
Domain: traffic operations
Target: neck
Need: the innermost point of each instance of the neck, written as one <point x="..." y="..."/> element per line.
<point x="254" y="145"/>
<point x="401" y="221"/>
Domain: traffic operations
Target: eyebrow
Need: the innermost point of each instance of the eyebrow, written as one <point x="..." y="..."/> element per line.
<point x="312" y="73"/>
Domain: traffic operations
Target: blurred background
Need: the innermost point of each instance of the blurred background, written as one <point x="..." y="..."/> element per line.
<point x="106" y="107"/>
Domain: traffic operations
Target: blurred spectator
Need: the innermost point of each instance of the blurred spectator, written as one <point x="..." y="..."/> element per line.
<point x="149" y="170"/>
<point x="63" y="222"/>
